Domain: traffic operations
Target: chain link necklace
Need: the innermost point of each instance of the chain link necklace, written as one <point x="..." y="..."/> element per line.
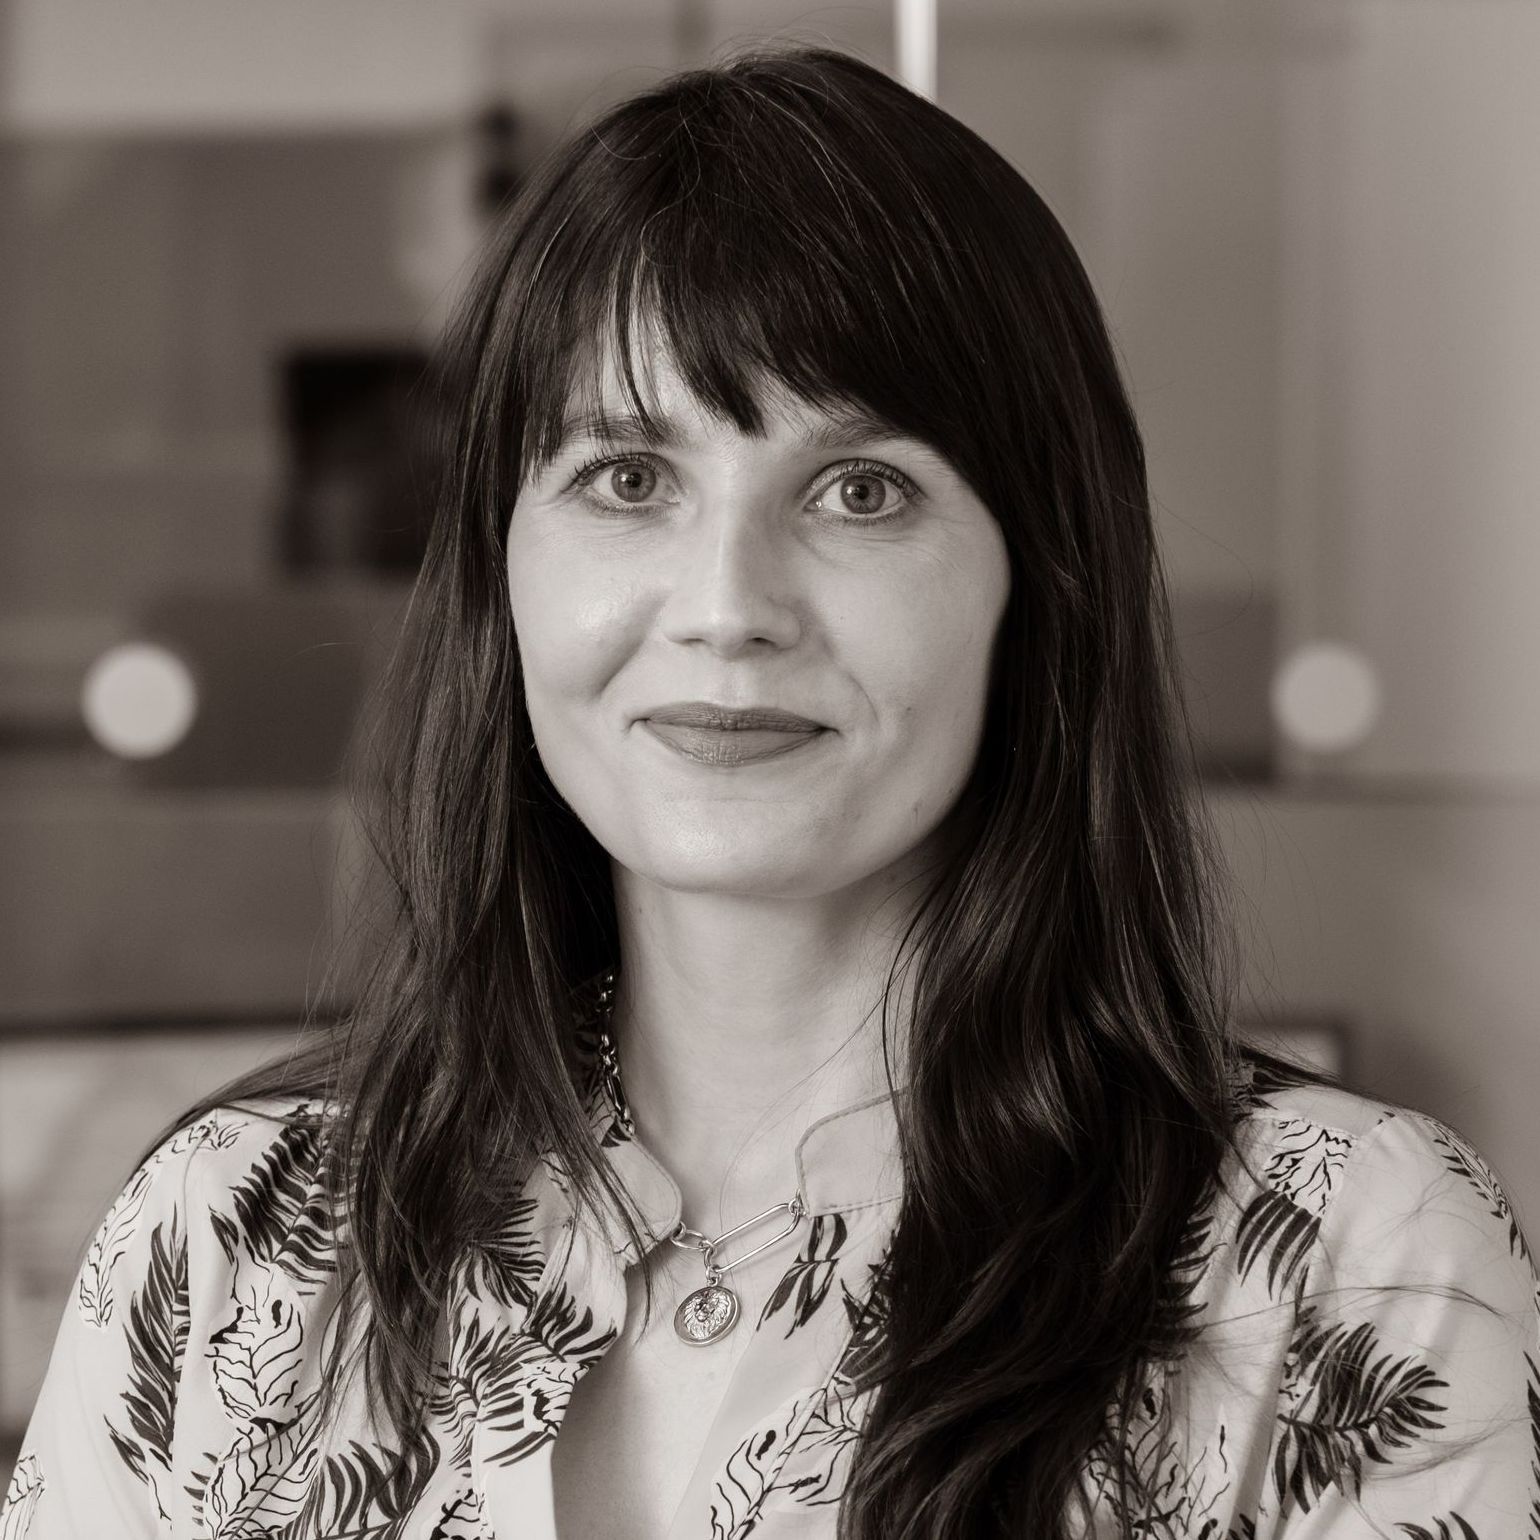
<point x="708" y="1313"/>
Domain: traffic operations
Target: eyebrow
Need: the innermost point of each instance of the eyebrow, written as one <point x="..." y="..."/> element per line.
<point x="843" y="426"/>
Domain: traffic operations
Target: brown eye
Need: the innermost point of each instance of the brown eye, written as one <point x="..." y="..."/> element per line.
<point x="632" y="481"/>
<point x="866" y="492"/>
<point x="863" y="493"/>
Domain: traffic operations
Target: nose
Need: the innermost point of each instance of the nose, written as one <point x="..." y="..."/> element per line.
<point x="728" y="580"/>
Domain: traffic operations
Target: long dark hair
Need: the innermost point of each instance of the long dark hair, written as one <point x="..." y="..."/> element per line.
<point x="793" y="216"/>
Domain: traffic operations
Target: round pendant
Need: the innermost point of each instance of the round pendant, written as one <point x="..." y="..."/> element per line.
<point x="706" y="1314"/>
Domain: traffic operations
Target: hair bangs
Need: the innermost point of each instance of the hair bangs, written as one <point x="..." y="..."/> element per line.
<point x="754" y="279"/>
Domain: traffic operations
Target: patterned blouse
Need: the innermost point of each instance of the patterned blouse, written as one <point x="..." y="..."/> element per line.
<point x="1368" y="1366"/>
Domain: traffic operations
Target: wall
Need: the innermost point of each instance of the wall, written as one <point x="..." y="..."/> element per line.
<point x="79" y="66"/>
<point x="1157" y="148"/>
<point x="1316" y="240"/>
<point x="1412" y="301"/>
<point x="1416" y="918"/>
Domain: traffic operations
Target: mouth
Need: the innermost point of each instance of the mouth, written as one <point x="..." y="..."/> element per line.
<point x="698" y="713"/>
<point x="730" y="746"/>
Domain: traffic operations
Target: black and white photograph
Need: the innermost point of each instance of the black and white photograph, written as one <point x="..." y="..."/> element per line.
<point x="769" y="771"/>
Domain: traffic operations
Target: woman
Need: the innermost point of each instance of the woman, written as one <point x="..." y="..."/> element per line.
<point x="796" y="1096"/>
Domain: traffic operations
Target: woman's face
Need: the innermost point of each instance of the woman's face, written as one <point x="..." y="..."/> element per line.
<point x="726" y="569"/>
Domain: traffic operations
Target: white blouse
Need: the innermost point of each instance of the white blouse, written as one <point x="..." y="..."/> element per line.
<point x="1368" y="1363"/>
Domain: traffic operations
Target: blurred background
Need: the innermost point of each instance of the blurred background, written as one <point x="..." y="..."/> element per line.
<point x="229" y="232"/>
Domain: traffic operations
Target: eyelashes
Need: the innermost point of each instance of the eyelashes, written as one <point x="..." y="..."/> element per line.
<point x="584" y="476"/>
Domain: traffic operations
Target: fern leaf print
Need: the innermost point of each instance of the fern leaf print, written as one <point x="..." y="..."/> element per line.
<point x="1465" y="1162"/>
<point x="810" y="1276"/>
<point x="282" y="1214"/>
<point x="366" y="1490"/>
<point x="94" y="1294"/>
<point x="1451" y="1528"/>
<point x="1347" y="1405"/>
<point x="1312" y="1378"/>
<point x="22" y="1494"/>
<point x="505" y="1269"/>
<point x="256" y="1356"/>
<point x="461" y="1517"/>
<point x="1281" y="1222"/>
<point x="262" y="1481"/>
<point x="741" y="1486"/>
<point x="1276" y="1229"/>
<point x="157" y="1344"/>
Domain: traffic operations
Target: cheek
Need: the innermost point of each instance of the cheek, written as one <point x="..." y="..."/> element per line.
<point x="569" y="630"/>
<point x="928" y="658"/>
<point x="930" y="689"/>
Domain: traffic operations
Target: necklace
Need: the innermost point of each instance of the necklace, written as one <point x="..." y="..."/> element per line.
<point x="708" y="1313"/>
<point x="711" y="1311"/>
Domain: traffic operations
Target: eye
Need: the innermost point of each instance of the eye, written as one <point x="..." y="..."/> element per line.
<point x="858" y="484"/>
<point x="633" y="487"/>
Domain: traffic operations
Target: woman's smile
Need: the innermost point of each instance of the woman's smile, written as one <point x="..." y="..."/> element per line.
<point x="730" y="747"/>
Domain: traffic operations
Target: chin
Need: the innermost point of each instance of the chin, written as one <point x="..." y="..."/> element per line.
<point x="700" y="864"/>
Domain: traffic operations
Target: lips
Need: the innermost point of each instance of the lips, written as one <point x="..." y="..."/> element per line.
<point x="727" y="747"/>
<point x="707" y="714"/>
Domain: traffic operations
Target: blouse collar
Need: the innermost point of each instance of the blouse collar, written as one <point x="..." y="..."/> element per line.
<point x="846" y="1160"/>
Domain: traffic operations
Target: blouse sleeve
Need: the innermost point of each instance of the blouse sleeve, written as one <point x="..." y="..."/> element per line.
<point x="96" y="1459"/>
<point x="1410" y="1404"/>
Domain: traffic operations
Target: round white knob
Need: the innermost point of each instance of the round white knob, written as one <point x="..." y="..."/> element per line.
<point x="138" y="700"/>
<point x="1326" y="697"/>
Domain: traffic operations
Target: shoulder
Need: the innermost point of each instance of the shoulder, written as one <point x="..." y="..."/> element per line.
<point x="1266" y="1094"/>
<point x="1359" y="1146"/>
<point x="1328" y="1179"/>
<point x="259" y="1178"/>
<point x="214" y="1158"/>
<point x="1370" y="1287"/>
<point x="1299" y="1139"/>
<point x="247" y="1178"/>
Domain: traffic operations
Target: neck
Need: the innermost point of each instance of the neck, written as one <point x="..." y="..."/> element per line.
<point x="740" y="1022"/>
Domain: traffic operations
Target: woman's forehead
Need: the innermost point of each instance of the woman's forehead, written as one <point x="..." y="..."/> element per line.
<point x="802" y="426"/>
<point x="664" y="410"/>
<point x="599" y="387"/>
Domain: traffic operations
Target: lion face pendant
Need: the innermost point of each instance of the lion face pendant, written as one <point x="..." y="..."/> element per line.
<point x="706" y="1314"/>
